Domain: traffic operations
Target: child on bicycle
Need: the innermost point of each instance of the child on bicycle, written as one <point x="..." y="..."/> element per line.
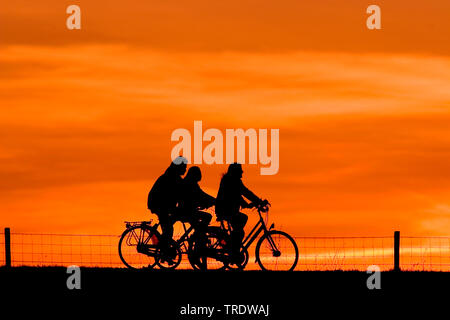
<point x="193" y="198"/>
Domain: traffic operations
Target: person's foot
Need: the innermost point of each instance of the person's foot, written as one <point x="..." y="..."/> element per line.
<point x="167" y="260"/>
<point x="168" y="255"/>
<point x="237" y="258"/>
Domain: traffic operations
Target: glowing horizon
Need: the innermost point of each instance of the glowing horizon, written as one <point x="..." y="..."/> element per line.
<point x="363" y="117"/>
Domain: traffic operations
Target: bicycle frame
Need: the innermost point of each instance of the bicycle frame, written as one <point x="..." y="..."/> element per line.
<point x="259" y="227"/>
<point x="184" y="237"/>
<point x="180" y="242"/>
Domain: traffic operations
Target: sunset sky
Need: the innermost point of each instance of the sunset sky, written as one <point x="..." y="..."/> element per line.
<point x="87" y="115"/>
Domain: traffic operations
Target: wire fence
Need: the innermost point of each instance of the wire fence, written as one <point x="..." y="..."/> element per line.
<point x="316" y="253"/>
<point x="31" y="249"/>
<point x="426" y="253"/>
<point x="345" y="253"/>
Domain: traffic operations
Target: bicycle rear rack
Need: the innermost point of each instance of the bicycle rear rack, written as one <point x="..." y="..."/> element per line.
<point x="130" y="224"/>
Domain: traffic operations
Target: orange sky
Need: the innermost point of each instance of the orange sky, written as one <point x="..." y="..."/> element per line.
<point x="363" y="115"/>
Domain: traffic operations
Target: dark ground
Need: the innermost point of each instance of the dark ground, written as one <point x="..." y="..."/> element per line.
<point x="161" y="294"/>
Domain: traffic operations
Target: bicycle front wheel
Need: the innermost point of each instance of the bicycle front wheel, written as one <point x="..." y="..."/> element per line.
<point x="277" y="251"/>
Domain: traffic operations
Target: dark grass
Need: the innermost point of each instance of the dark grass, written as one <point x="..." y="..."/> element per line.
<point x="159" y="294"/>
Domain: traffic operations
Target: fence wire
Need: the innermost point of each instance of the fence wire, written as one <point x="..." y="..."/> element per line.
<point x="425" y="253"/>
<point x="316" y="253"/>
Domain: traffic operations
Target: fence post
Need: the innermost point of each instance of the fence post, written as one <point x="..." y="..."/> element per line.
<point x="7" y="247"/>
<point x="396" y="250"/>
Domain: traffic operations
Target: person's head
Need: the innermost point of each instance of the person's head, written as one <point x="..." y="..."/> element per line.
<point x="194" y="174"/>
<point x="178" y="166"/>
<point x="235" y="170"/>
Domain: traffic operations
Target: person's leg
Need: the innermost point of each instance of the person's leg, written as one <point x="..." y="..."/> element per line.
<point x="237" y="222"/>
<point x="166" y="227"/>
<point x="200" y="221"/>
<point x="167" y="232"/>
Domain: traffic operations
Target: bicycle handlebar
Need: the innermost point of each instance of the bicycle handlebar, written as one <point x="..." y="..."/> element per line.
<point x="262" y="206"/>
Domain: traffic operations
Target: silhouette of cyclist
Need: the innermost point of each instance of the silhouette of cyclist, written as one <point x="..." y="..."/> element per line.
<point x="230" y="199"/>
<point x="164" y="196"/>
<point x="193" y="199"/>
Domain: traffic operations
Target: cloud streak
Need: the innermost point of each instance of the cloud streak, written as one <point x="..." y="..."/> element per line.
<point x="363" y="137"/>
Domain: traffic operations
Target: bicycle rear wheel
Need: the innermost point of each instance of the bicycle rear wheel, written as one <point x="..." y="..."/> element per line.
<point x="277" y="251"/>
<point x="137" y="247"/>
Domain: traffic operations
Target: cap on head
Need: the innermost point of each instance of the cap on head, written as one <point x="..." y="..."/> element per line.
<point x="180" y="160"/>
<point x="178" y="165"/>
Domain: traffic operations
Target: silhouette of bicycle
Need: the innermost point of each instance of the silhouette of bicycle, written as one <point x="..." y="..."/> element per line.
<point x="275" y="250"/>
<point x="140" y="247"/>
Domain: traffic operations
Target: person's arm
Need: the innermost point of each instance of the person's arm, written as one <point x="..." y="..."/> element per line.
<point x="204" y="199"/>
<point x="207" y="200"/>
<point x="243" y="203"/>
<point x="248" y="194"/>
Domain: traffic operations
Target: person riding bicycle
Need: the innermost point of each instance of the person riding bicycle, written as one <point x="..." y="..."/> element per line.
<point x="229" y="201"/>
<point x="192" y="199"/>
<point x="164" y="196"/>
